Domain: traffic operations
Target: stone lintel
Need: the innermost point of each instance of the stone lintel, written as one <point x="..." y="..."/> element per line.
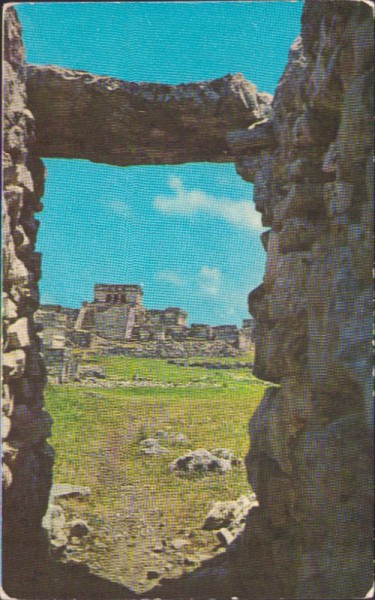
<point x="107" y="120"/>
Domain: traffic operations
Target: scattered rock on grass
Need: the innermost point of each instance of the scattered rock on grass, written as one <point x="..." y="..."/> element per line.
<point x="91" y="372"/>
<point x="66" y="490"/>
<point x="221" y="515"/>
<point x="229" y="517"/>
<point x="173" y="437"/>
<point x="179" y="543"/>
<point x="152" y="447"/>
<point x="178" y="438"/>
<point x="227" y="455"/>
<point x="200" y="461"/>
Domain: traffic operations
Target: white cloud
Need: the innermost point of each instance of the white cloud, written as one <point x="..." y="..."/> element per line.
<point x="209" y="280"/>
<point x="170" y="277"/>
<point x="240" y="213"/>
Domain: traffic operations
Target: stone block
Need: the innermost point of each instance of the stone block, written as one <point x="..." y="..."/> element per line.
<point x="298" y="234"/>
<point x="33" y="427"/>
<point x="9" y="309"/>
<point x="18" y="334"/>
<point x="13" y="199"/>
<point x="6" y="474"/>
<point x="282" y="415"/>
<point x="6" y="425"/>
<point x="14" y="364"/>
<point x="246" y="167"/>
<point x="228" y="103"/>
<point x="22" y="417"/>
<point x="225" y="536"/>
<point x="14" y="139"/>
<point x="7" y="400"/>
<point x="338" y="197"/>
<point x="280" y="348"/>
<point x="9" y="453"/>
<point x="355" y="136"/>
<point x="285" y="285"/>
<point x="55" y="524"/>
<point x="24" y="177"/>
<point x="258" y="136"/>
<point x="33" y="262"/>
<point x="21" y="240"/>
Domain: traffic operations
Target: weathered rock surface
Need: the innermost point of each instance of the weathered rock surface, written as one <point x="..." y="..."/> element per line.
<point x="54" y="522"/>
<point x="200" y="462"/>
<point x="103" y="119"/>
<point x="230" y="514"/>
<point x="78" y="528"/>
<point x="152" y="447"/>
<point x="310" y="461"/>
<point x="68" y="490"/>
<point x="27" y="458"/>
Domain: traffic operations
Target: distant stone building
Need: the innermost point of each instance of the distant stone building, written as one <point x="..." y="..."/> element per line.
<point x="117" y="322"/>
<point x="201" y="331"/>
<point x="162" y="324"/>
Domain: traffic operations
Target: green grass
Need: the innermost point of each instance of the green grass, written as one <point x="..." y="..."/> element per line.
<point x="161" y="371"/>
<point x="97" y="434"/>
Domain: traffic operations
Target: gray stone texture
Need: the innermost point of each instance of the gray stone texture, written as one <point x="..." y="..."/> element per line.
<point x="27" y="457"/>
<point x="310" y="460"/>
<point x="103" y="119"/>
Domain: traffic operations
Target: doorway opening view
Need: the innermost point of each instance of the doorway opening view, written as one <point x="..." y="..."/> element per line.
<point x="149" y="353"/>
<point x="146" y="333"/>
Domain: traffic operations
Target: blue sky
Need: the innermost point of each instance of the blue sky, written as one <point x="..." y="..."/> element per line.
<point x="189" y="234"/>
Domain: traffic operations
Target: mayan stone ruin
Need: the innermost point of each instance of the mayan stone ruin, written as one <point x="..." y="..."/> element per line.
<point x="116" y="322"/>
<point x="308" y="152"/>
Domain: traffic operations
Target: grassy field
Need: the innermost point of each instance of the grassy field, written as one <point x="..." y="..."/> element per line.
<point x="136" y="501"/>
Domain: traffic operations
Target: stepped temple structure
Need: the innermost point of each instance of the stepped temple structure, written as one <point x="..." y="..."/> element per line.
<point x="309" y="152"/>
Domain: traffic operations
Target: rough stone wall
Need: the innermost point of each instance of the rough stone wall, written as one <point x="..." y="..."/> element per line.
<point x="27" y="458"/>
<point x="311" y="455"/>
<point x="310" y="461"/>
